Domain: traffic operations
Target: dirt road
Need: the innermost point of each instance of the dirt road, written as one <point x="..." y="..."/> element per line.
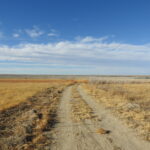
<point x="83" y="135"/>
<point x="48" y="123"/>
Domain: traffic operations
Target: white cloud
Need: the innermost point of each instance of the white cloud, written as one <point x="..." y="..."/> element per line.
<point x="1" y="35"/>
<point x="52" y="34"/>
<point x="34" y="32"/>
<point x="91" y="39"/>
<point x="88" y="51"/>
<point x="16" y="35"/>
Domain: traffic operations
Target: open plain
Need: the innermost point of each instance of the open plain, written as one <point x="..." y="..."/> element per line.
<point x="79" y="114"/>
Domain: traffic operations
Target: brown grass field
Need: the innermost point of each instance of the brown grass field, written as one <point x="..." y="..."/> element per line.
<point x="14" y="91"/>
<point x="58" y="113"/>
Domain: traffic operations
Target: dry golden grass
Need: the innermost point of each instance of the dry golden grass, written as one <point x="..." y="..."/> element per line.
<point x="14" y="91"/>
<point x="33" y="113"/>
<point x="129" y="101"/>
<point x="27" y="123"/>
<point x="46" y="116"/>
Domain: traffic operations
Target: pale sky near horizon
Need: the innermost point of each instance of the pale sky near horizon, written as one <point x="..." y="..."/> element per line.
<point x="105" y="37"/>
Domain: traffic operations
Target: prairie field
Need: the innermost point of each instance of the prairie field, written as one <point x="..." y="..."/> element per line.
<point x="14" y="91"/>
<point x="129" y="101"/>
<point x="61" y="114"/>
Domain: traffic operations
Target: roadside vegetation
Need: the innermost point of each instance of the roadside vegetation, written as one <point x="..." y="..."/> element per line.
<point x="130" y="101"/>
<point x="31" y="113"/>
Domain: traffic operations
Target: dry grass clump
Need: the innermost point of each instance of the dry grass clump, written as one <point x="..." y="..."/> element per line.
<point x="13" y="91"/>
<point x="80" y="109"/>
<point x="47" y="116"/>
<point x="131" y="102"/>
<point x="102" y="131"/>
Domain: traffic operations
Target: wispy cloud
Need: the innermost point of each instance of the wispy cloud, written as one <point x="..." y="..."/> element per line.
<point x="85" y="52"/>
<point x="16" y="35"/>
<point x="52" y="34"/>
<point x="34" y="32"/>
<point x="1" y="35"/>
<point x="91" y="39"/>
<point x="67" y="51"/>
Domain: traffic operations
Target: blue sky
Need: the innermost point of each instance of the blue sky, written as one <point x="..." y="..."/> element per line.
<point x="75" y="37"/>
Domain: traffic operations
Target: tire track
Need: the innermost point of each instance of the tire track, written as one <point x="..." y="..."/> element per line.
<point x="86" y="130"/>
<point x="63" y="132"/>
